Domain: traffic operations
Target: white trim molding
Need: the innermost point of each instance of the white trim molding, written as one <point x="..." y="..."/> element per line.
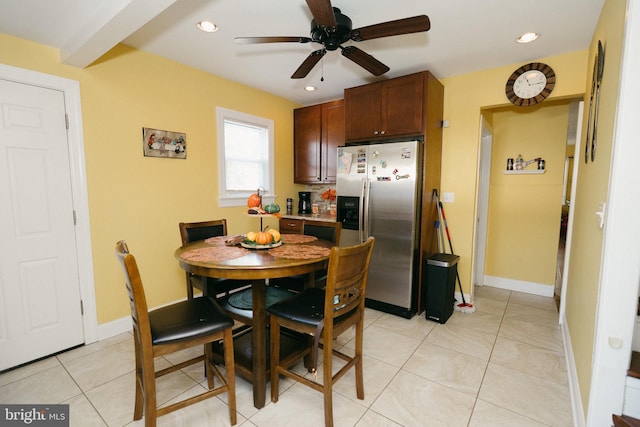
<point x="519" y="285"/>
<point x="574" y="386"/>
<point x="71" y="89"/>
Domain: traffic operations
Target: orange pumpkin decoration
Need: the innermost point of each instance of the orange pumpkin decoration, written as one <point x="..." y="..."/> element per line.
<point x="263" y="238"/>
<point x="253" y="201"/>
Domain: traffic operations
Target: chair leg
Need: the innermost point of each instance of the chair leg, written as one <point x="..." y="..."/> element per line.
<point x="359" y="367"/>
<point x="208" y="361"/>
<point x="231" y="374"/>
<point x="328" y="408"/>
<point x="189" y="287"/>
<point x="139" y="402"/>
<point x="149" y="381"/>
<point x="327" y="381"/>
<point x="275" y="358"/>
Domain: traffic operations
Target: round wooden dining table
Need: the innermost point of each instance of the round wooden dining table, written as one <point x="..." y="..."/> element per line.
<point x="212" y="258"/>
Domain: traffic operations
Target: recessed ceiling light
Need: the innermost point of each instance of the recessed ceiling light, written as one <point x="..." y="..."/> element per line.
<point x="527" y="37"/>
<point x="310" y="88"/>
<point x="207" y="26"/>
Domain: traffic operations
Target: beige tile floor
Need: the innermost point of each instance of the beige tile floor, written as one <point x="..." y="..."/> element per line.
<point x="500" y="366"/>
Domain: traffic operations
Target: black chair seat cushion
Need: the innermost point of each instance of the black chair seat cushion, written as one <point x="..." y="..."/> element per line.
<point x="306" y="307"/>
<point x="187" y="319"/>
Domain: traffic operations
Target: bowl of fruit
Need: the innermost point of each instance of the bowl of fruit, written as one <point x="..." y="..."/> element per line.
<point x="266" y="239"/>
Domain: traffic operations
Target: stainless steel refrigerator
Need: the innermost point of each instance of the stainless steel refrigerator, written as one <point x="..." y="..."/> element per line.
<point x="378" y="190"/>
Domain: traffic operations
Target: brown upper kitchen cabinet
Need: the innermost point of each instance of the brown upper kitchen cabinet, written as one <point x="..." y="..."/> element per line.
<point x="318" y="130"/>
<point x="388" y="109"/>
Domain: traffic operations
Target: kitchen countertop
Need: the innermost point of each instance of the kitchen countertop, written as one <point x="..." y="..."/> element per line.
<point x="310" y="216"/>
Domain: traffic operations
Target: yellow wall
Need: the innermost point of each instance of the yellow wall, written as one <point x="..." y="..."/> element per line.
<point x="128" y="89"/>
<point x="591" y="190"/>
<point x="465" y="96"/>
<point x="524" y="210"/>
<point x="142" y="199"/>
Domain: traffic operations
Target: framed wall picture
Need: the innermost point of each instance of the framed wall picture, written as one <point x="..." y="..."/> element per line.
<point x="164" y="143"/>
<point x="594" y="101"/>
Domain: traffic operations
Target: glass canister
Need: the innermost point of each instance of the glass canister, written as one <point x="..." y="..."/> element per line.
<point x="509" y="164"/>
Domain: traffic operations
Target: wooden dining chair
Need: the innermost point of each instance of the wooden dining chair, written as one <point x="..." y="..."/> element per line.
<point x="325" y="314"/>
<point x="194" y="231"/>
<point x="325" y="230"/>
<point x="186" y="324"/>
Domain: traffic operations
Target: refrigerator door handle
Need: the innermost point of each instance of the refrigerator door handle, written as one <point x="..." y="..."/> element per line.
<point x="367" y="190"/>
<point x="361" y="211"/>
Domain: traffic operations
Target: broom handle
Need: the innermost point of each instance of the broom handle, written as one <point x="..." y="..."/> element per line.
<point x="439" y="224"/>
<point x="446" y="227"/>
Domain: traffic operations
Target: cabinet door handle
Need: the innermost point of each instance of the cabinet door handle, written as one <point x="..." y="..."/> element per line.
<point x="382" y="133"/>
<point x="375" y="132"/>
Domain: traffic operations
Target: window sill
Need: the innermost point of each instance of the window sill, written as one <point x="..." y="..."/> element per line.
<point x="229" y="202"/>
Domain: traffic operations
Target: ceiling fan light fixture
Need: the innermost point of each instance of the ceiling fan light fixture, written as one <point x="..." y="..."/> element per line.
<point x="207" y="26"/>
<point x="330" y="28"/>
<point x="527" y="38"/>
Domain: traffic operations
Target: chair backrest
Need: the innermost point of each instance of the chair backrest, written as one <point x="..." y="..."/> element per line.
<point x="347" y="279"/>
<point x="137" y="299"/>
<point x="194" y="231"/>
<point x="323" y="230"/>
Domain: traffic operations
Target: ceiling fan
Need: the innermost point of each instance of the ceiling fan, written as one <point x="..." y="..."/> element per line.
<point x="331" y="29"/>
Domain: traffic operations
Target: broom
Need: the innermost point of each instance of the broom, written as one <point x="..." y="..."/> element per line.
<point x="465" y="307"/>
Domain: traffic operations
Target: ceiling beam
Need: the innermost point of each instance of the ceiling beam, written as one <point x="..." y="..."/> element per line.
<point x="108" y="28"/>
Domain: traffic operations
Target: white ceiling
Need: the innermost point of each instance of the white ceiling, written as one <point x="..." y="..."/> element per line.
<point x="465" y="36"/>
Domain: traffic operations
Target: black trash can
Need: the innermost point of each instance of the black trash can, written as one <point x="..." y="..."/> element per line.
<point x="440" y="286"/>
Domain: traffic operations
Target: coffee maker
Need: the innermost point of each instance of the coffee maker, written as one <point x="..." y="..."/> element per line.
<point x="304" y="204"/>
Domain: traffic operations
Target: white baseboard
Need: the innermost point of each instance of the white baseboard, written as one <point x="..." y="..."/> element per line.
<point x="519" y="285"/>
<point x="113" y="328"/>
<point x="574" y="386"/>
<point x="118" y="326"/>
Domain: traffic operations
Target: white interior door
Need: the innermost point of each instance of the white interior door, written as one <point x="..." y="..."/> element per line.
<point x="39" y="280"/>
<point x="484" y="174"/>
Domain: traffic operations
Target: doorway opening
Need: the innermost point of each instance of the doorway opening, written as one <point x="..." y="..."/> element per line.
<point x="522" y="219"/>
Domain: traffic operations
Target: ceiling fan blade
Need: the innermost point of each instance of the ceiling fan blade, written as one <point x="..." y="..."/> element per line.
<point x="414" y="24"/>
<point x="322" y="12"/>
<point x="364" y="60"/>
<point x="253" y="40"/>
<point x="308" y="64"/>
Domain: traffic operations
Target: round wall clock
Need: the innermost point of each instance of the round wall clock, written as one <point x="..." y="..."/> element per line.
<point x="530" y="84"/>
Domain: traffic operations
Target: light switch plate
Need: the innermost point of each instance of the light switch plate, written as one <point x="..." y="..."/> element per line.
<point x="448" y="197"/>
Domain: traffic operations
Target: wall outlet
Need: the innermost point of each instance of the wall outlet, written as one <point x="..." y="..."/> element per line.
<point x="448" y="197"/>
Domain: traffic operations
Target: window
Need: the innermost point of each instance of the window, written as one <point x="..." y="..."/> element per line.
<point x="245" y="153"/>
